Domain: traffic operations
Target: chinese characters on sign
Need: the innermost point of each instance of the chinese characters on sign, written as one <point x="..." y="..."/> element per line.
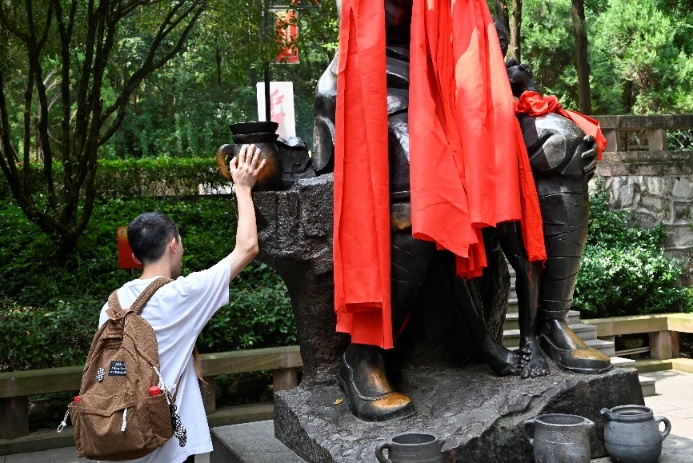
<point x="281" y="106"/>
<point x="287" y="34"/>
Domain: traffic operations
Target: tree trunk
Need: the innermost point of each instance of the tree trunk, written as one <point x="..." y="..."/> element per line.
<point x="581" y="62"/>
<point x="85" y="121"/>
<point x="501" y="12"/>
<point x="217" y="55"/>
<point x="515" y="31"/>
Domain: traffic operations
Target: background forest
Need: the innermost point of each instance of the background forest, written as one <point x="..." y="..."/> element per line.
<point x="99" y="91"/>
<point x="640" y="61"/>
<point x="89" y="80"/>
<point x="640" y="56"/>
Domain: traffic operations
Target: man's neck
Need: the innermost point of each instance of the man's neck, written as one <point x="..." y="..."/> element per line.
<point x="154" y="270"/>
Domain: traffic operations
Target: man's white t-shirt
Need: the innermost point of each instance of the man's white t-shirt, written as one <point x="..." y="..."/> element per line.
<point x="177" y="312"/>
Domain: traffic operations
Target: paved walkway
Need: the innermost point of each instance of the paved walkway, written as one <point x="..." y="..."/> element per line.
<point x="672" y="400"/>
<point x="66" y="455"/>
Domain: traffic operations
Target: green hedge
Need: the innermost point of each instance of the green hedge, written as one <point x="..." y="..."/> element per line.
<point x="49" y="309"/>
<point x="57" y="334"/>
<point x="136" y="178"/>
<point x="623" y="269"/>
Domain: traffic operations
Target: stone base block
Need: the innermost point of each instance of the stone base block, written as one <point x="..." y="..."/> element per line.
<point x="249" y="443"/>
<point x="479" y="414"/>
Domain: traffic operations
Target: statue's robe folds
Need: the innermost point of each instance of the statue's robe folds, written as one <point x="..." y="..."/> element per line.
<point x="468" y="164"/>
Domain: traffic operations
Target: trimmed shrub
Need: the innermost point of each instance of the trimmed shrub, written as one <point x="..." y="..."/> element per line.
<point x="49" y="309"/>
<point x="623" y="271"/>
<point x="42" y="337"/>
<point x="136" y="178"/>
<point x="634" y="281"/>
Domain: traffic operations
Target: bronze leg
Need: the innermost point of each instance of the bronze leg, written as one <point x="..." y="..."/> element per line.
<point x="527" y="283"/>
<point x="501" y="360"/>
<point x="362" y="372"/>
<point x="565" y="214"/>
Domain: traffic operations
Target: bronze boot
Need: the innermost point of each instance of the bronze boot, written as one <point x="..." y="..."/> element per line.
<point x="567" y="349"/>
<point x="364" y="380"/>
<point x="565" y="217"/>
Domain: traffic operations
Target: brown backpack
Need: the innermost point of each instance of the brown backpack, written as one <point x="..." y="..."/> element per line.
<point x="116" y="416"/>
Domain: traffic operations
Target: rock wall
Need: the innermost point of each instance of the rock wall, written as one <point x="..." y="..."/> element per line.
<point x="658" y="187"/>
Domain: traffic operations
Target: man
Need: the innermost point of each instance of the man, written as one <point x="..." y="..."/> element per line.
<point x="179" y="310"/>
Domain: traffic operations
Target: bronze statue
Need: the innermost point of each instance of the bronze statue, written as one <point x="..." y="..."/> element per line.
<point x="562" y="161"/>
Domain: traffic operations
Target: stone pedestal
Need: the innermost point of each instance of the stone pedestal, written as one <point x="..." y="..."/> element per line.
<point x="480" y="414"/>
<point x="255" y="443"/>
<point x="249" y="443"/>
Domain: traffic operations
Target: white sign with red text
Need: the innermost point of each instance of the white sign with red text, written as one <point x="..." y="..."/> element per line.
<point x="281" y="106"/>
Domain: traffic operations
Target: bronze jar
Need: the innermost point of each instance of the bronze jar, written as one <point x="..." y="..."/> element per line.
<point x="263" y="135"/>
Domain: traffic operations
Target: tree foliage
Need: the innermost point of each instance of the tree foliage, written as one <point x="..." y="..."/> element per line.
<point x="640" y="53"/>
<point x="185" y="109"/>
<point x="182" y="71"/>
<point x="642" y="61"/>
<point x="63" y="94"/>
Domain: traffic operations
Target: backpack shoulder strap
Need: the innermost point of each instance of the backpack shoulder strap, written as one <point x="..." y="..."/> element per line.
<point x="148" y="292"/>
<point x="115" y="309"/>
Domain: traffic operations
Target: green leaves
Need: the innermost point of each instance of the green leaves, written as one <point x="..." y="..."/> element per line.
<point x="639" y="47"/>
<point x="640" y="53"/>
<point x="133" y="178"/>
<point x="619" y="229"/>
<point x="259" y="314"/>
<point x="623" y="271"/>
<point x="634" y="281"/>
<point x="49" y="309"/>
<point x="37" y="337"/>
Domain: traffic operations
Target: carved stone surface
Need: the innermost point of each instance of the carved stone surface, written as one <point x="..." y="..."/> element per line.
<point x="478" y="411"/>
<point x="295" y="233"/>
<point x="480" y="414"/>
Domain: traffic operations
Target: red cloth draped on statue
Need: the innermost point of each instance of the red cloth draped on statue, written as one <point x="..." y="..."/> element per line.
<point x="535" y="104"/>
<point x="361" y="182"/>
<point x="469" y="167"/>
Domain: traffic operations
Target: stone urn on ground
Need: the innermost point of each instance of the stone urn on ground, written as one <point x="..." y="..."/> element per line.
<point x="632" y="434"/>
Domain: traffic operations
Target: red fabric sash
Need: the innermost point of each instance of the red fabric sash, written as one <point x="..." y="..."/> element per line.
<point x="535" y="104"/>
<point x="361" y="178"/>
<point x="469" y="167"/>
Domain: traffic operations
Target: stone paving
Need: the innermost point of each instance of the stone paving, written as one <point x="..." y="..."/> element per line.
<point x="674" y="399"/>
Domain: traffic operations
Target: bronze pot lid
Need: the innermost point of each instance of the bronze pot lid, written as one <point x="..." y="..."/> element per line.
<point x="254" y="127"/>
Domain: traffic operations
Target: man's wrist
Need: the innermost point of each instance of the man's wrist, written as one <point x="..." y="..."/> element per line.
<point x="242" y="189"/>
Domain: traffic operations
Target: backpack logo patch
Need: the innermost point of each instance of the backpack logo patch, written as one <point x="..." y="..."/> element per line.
<point x="117" y="368"/>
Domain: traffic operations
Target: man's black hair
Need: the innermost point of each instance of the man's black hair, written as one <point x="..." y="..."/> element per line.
<point x="149" y="234"/>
